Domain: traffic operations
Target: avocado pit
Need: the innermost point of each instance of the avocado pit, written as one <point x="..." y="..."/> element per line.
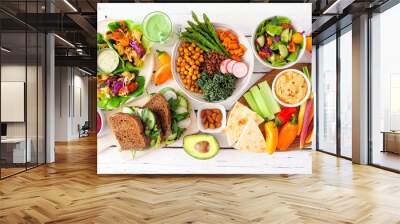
<point x="202" y="146"/>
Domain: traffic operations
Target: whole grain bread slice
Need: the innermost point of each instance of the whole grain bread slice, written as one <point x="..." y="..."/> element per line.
<point x="129" y="131"/>
<point x="159" y="105"/>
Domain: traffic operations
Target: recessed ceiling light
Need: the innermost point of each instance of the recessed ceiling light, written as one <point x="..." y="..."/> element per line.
<point x="64" y="40"/>
<point x="5" y="50"/>
<point x="70" y="5"/>
<point x="84" y="71"/>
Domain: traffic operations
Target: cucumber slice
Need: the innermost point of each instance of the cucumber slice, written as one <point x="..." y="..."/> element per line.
<point x="107" y="60"/>
<point x="148" y="118"/>
<point x="285" y="36"/>
<point x="183" y="102"/>
<point x="261" y="41"/>
<point x="170" y="94"/>
<point x="170" y="139"/>
<point x="266" y="92"/>
<point x="181" y="109"/>
<point x="255" y="91"/>
<point x="283" y="51"/>
<point x="252" y="103"/>
<point x="128" y="110"/>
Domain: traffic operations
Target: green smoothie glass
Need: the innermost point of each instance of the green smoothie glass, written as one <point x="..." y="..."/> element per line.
<point x="157" y="27"/>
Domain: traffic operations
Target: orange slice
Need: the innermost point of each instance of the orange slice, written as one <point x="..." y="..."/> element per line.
<point x="162" y="75"/>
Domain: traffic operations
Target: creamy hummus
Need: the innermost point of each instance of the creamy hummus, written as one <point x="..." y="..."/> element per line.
<point x="291" y="87"/>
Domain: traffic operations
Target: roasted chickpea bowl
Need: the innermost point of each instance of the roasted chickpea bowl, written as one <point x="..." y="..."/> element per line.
<point x="189" y="61"/>
<point x="211" y="118"/>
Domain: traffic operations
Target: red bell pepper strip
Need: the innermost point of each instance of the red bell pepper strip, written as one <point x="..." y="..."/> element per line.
<point x="292" y="47"/>
<point x="284" y="115"/>
<point x="117" y="34"/>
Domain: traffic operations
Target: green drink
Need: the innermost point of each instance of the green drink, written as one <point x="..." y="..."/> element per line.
<point x="157" y="27"/>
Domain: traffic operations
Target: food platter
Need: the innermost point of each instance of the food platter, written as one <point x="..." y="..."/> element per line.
<point x="269" y="77"/>
<point x="206" y="56"/>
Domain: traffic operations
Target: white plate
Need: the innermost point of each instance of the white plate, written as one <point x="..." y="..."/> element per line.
<point x="241" y="84"/>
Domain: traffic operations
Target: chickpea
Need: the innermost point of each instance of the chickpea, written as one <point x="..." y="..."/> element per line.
<point x="188" y="65"/>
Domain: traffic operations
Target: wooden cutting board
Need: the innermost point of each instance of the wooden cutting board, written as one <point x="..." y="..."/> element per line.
<point x="269" y="77"/>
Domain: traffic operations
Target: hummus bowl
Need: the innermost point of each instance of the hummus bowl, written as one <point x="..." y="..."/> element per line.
<point x="291" y="88"/>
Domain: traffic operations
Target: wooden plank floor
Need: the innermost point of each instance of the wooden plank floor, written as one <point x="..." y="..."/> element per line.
<point x="69" y="191"/>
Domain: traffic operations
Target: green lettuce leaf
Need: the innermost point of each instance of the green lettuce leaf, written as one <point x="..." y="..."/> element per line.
<point x="117" y="101"/>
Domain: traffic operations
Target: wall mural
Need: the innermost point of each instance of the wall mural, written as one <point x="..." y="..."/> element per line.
<point x="204" y="88"/>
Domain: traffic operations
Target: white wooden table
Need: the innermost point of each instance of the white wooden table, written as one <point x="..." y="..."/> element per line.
<point x="243" y="17"/>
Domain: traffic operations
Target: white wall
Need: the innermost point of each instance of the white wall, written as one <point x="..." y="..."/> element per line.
<point x="34" y="125"/>
<point x="69" y="82"/>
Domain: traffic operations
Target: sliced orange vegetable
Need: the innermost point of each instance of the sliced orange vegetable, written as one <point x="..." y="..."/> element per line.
<point x="297" y="38"/>
<point x="309" y="44"/>
<point x="308" y="116"/>
<point x="301" y="117"/>
<point x="162" y="74"/>
<point x="292" y="47"/>
<point x="164" y="57"/>
<point x="269" y="41"/>
<point x="124" y="42"/>
<point x="287" y="134"/>
<point x="271" y="136"/>
<point x="231" y="43"/>
<point x="310" y="136"/>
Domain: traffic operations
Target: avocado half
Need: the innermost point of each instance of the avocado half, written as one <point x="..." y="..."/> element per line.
<point x="201" y="146"/>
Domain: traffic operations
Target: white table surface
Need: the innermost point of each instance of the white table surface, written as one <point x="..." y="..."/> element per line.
<point x="243" y="17"/>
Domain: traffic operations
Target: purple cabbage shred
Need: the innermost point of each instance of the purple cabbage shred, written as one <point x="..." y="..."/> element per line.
<point x="137" y="47"/>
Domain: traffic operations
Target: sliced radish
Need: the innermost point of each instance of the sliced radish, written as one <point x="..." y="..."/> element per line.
<point x="229" y="66"/>
<point x="222" y="67"/>
<point x="226" y="64"/>
<point x="239" y="70"/>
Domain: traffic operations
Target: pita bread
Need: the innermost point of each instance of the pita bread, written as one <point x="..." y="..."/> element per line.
<point x="251" y="139"/>
<point x="237" y="120"/>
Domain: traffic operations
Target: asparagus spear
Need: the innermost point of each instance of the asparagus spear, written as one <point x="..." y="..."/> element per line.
<point x="196" y="28"/>
<point x="204" y="48"/>
<point x="196" y="37"/>
<point x="200" y="24"/>
<point x="214" y="34"/>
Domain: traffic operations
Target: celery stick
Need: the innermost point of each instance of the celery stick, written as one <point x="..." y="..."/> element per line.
<point x="266" y="92"/>
<point x="252" y="103"/>
<point x="260" y="102"/>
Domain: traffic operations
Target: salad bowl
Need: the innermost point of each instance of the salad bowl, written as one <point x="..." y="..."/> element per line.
<point x="241" y="83"/>
<point x="255" y="45"/>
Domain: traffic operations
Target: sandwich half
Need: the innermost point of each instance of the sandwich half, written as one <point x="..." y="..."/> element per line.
<point x="163" y="119"/>
<point x="129" y="131"/>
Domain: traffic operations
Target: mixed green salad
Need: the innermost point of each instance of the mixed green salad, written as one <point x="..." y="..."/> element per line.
<point x="120" y="56"/>
<point x="277" y="42"/>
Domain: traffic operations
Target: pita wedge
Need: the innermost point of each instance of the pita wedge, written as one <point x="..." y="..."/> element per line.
<point x="251" y="139"/>
<point x="237" y="120"/>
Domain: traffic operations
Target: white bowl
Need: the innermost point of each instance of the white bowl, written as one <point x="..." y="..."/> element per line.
<point x="266" y="64"/>
<point x="300" y="102"/>
<point x="241" y="84"/>
<point x="211" y="106"/>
